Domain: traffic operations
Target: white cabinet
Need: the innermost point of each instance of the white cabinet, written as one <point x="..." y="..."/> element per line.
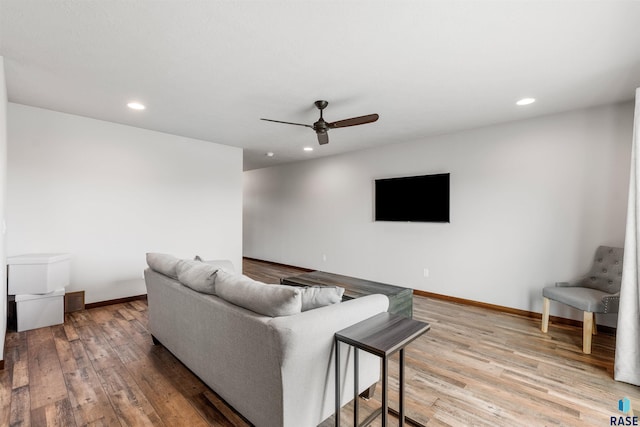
<point x="38" y="282"/>
<point x="37" y="273"/>
<point x="39" y="310"/>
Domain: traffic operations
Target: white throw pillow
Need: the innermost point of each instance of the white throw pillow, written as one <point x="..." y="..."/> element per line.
<point x="320" y="296"/>
<point x="268" y="300"/>
<point x="197" y="275"/>
<point x="163" y="264"/>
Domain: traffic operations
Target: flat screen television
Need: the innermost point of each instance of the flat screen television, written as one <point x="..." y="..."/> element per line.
<point x="422" y="198"/>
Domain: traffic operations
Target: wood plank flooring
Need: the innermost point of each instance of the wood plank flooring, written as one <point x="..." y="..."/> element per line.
<point x="475" y="367"/>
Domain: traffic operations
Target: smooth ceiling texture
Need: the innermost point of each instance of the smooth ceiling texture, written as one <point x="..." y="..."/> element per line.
<point x="211" y="69"/>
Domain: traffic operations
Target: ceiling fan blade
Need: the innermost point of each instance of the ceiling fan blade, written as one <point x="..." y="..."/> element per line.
<point x="323" y="138"/>
<point x="353" y="121"/>
<point x="287" y="123"/>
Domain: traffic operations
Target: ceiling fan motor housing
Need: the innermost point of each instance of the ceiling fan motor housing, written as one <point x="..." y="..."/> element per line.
<point x="320" y="126"/>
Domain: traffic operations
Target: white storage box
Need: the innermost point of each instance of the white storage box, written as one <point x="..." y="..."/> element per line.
<point x="38" y="311"/>
<point x="38" y="273"/>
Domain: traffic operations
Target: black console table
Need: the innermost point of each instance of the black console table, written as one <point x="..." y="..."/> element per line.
<point x="383" y="335"/>
<point x="400" y="299"/>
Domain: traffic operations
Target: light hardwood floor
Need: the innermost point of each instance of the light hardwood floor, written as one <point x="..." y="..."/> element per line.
<point x="475" y="367"/>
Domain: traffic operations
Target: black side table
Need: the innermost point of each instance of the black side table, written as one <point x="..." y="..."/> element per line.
<point x="382" y="335"/>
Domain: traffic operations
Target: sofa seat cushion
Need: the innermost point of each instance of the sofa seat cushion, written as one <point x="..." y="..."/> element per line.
<point x="197" y="275"/>
<point x="268" y="300"/>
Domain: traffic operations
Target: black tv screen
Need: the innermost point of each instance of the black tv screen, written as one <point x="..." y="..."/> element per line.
<point x="422" y="198"/>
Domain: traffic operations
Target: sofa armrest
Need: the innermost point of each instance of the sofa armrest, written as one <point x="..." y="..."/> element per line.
<point x="322" y="323"/>
<point x="306" y="345"/>
<point x="611" y="303"/>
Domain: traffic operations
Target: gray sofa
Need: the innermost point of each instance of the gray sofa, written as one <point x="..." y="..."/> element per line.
<point x="275" y="371"/>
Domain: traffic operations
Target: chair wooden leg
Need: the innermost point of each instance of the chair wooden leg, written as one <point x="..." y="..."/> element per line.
<point x="587" y="331"/>
<point x="595" y="324"/>
<point x="545" y="315"/>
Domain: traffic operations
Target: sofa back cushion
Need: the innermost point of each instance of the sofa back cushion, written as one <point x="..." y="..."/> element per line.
<point x="320" y="296"/>
<point x="268" y="300"/>
<point x="163" y="263"/>
<point x="219" y="263"/>
<point x="197" y="275"/>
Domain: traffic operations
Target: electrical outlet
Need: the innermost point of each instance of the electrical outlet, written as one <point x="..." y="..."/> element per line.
<point x="324" y="257"/>
<point x="425" y="272"/>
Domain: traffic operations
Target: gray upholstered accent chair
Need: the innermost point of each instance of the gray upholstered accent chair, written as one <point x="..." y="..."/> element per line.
<point x="597" y="292"/>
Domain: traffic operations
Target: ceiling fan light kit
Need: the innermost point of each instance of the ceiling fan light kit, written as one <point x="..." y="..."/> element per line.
<point x="321" y="127"/>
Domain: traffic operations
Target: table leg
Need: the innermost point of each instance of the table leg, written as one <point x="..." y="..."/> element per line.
<point x="337" y="361"/>
<point x="401" y="388"/>
<point x="385" y="403"/>
<point x="356" y="367"/>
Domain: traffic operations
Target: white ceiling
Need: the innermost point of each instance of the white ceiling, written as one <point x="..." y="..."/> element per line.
<point x="211" y="69"/>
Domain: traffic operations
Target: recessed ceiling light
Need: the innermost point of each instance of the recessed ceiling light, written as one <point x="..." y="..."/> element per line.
<point x="136" y="106"/>
<point x="308" y="149"/>
<point x="526" y="101"/>
<point x="270" y="154"/>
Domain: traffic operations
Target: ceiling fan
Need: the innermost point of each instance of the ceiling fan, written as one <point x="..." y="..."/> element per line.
<point x="321" y="126"/>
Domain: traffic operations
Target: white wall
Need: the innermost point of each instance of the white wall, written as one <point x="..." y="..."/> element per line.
<point x="108" y="193"/>
<point x="530" y="202"/>
<point x="3" y="181"/>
